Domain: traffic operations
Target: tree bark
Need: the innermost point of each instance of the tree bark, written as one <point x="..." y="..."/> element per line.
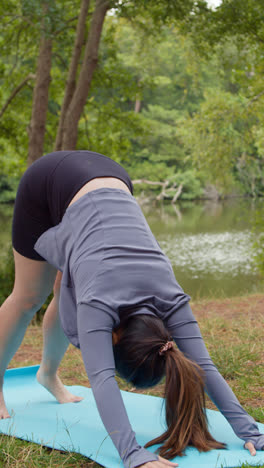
<point x="75" y="109"/>
<point x="40" y="100"/>
<point x="71" y="80"/>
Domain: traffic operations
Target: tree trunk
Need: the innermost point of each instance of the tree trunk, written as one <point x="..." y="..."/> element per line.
<point x="70" y="128"/>
<point x="71" y="80"/>
<point x="137" y="105"/>
<point x="40" y="101"/>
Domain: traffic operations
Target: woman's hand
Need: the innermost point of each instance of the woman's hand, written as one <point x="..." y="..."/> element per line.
<point x="249" y="446"/>
<point x="160" y="463"/>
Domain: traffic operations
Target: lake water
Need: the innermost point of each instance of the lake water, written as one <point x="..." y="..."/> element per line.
<point x="209" y="244"/>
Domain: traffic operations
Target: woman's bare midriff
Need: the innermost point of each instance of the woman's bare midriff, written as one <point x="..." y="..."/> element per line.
<point x="100" y="182"/>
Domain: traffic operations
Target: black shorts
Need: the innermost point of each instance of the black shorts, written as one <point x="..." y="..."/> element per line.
<point x="47" y="188"/>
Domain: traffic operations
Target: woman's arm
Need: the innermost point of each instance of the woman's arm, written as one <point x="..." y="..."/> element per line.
<point x="95" y="336"/>
<point x="186" y="333"/>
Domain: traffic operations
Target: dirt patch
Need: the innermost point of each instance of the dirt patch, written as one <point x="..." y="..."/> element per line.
<point x="30" y="351"/>
<point x="231" y="308"/>
<point x="27" y="353"/>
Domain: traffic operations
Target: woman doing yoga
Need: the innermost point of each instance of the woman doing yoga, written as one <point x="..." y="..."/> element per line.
<point x="118" y="301"/>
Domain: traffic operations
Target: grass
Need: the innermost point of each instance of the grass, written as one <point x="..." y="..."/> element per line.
<point x="20" y="454"/>
<point x="233" y="330"/>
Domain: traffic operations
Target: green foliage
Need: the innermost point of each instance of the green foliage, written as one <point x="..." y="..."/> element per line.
<point x="22" y="27"/>
<point x="191" y="185"/>
<point x="109" y="124"/>
<point x="7" y="274"/>
<point x="242" y="20"/>
<point x="162" y="142"/>
<point x="220" y="140"/>
<point x="200" y="117"/>
<point x="231" y="151"/>
<point x="8" y="188"/>
<point x="146" y="170"/>
<point x="160" y="11"/>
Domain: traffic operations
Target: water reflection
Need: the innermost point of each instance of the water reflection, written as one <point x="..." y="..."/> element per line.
<point x="211" y="253"/>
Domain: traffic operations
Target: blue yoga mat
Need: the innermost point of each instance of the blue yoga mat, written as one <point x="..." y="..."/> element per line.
<point x="77" y="427"/>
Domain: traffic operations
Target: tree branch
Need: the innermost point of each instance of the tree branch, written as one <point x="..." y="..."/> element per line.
<point x="65" y="26"/>
<point x="165" y="189"/>
<point x="255" y="98"/>
<point x="145" y="181"/>
<point x="31" y="76"/>
<point x="177" y="194"/>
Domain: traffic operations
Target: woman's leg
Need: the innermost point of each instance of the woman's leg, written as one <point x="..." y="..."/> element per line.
<point x="54" y="347"/>
<point x="33" y="283"/>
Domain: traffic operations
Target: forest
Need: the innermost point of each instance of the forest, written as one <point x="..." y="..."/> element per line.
<point x="172" y="90"/>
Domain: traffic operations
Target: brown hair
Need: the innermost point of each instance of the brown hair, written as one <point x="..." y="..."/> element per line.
<point x="138" y="360"/>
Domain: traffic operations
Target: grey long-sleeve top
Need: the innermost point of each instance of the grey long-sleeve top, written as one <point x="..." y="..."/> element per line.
<point x="112" y="265"/>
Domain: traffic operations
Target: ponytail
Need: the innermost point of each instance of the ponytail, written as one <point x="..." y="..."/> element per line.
<point x="185" y="408"/>
<point x="143" y="355"/>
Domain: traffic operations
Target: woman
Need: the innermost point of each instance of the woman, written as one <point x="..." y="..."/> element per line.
<point x="119" y="302"/>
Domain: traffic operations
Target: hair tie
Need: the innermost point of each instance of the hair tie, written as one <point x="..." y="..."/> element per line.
<point x="166" y="347"/>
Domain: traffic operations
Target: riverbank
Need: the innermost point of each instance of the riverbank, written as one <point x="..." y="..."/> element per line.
<point x="233" y="330"/>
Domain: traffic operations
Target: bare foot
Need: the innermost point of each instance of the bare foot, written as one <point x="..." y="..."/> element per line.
<point x="3" y="410"/>
<point x="55" y="386"/>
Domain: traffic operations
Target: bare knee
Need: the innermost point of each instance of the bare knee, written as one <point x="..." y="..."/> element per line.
<point x="27" y="302"/>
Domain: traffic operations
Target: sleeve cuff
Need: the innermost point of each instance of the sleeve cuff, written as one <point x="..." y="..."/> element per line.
<point x="257" y="441"/>
<point x="139" y="457"/>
